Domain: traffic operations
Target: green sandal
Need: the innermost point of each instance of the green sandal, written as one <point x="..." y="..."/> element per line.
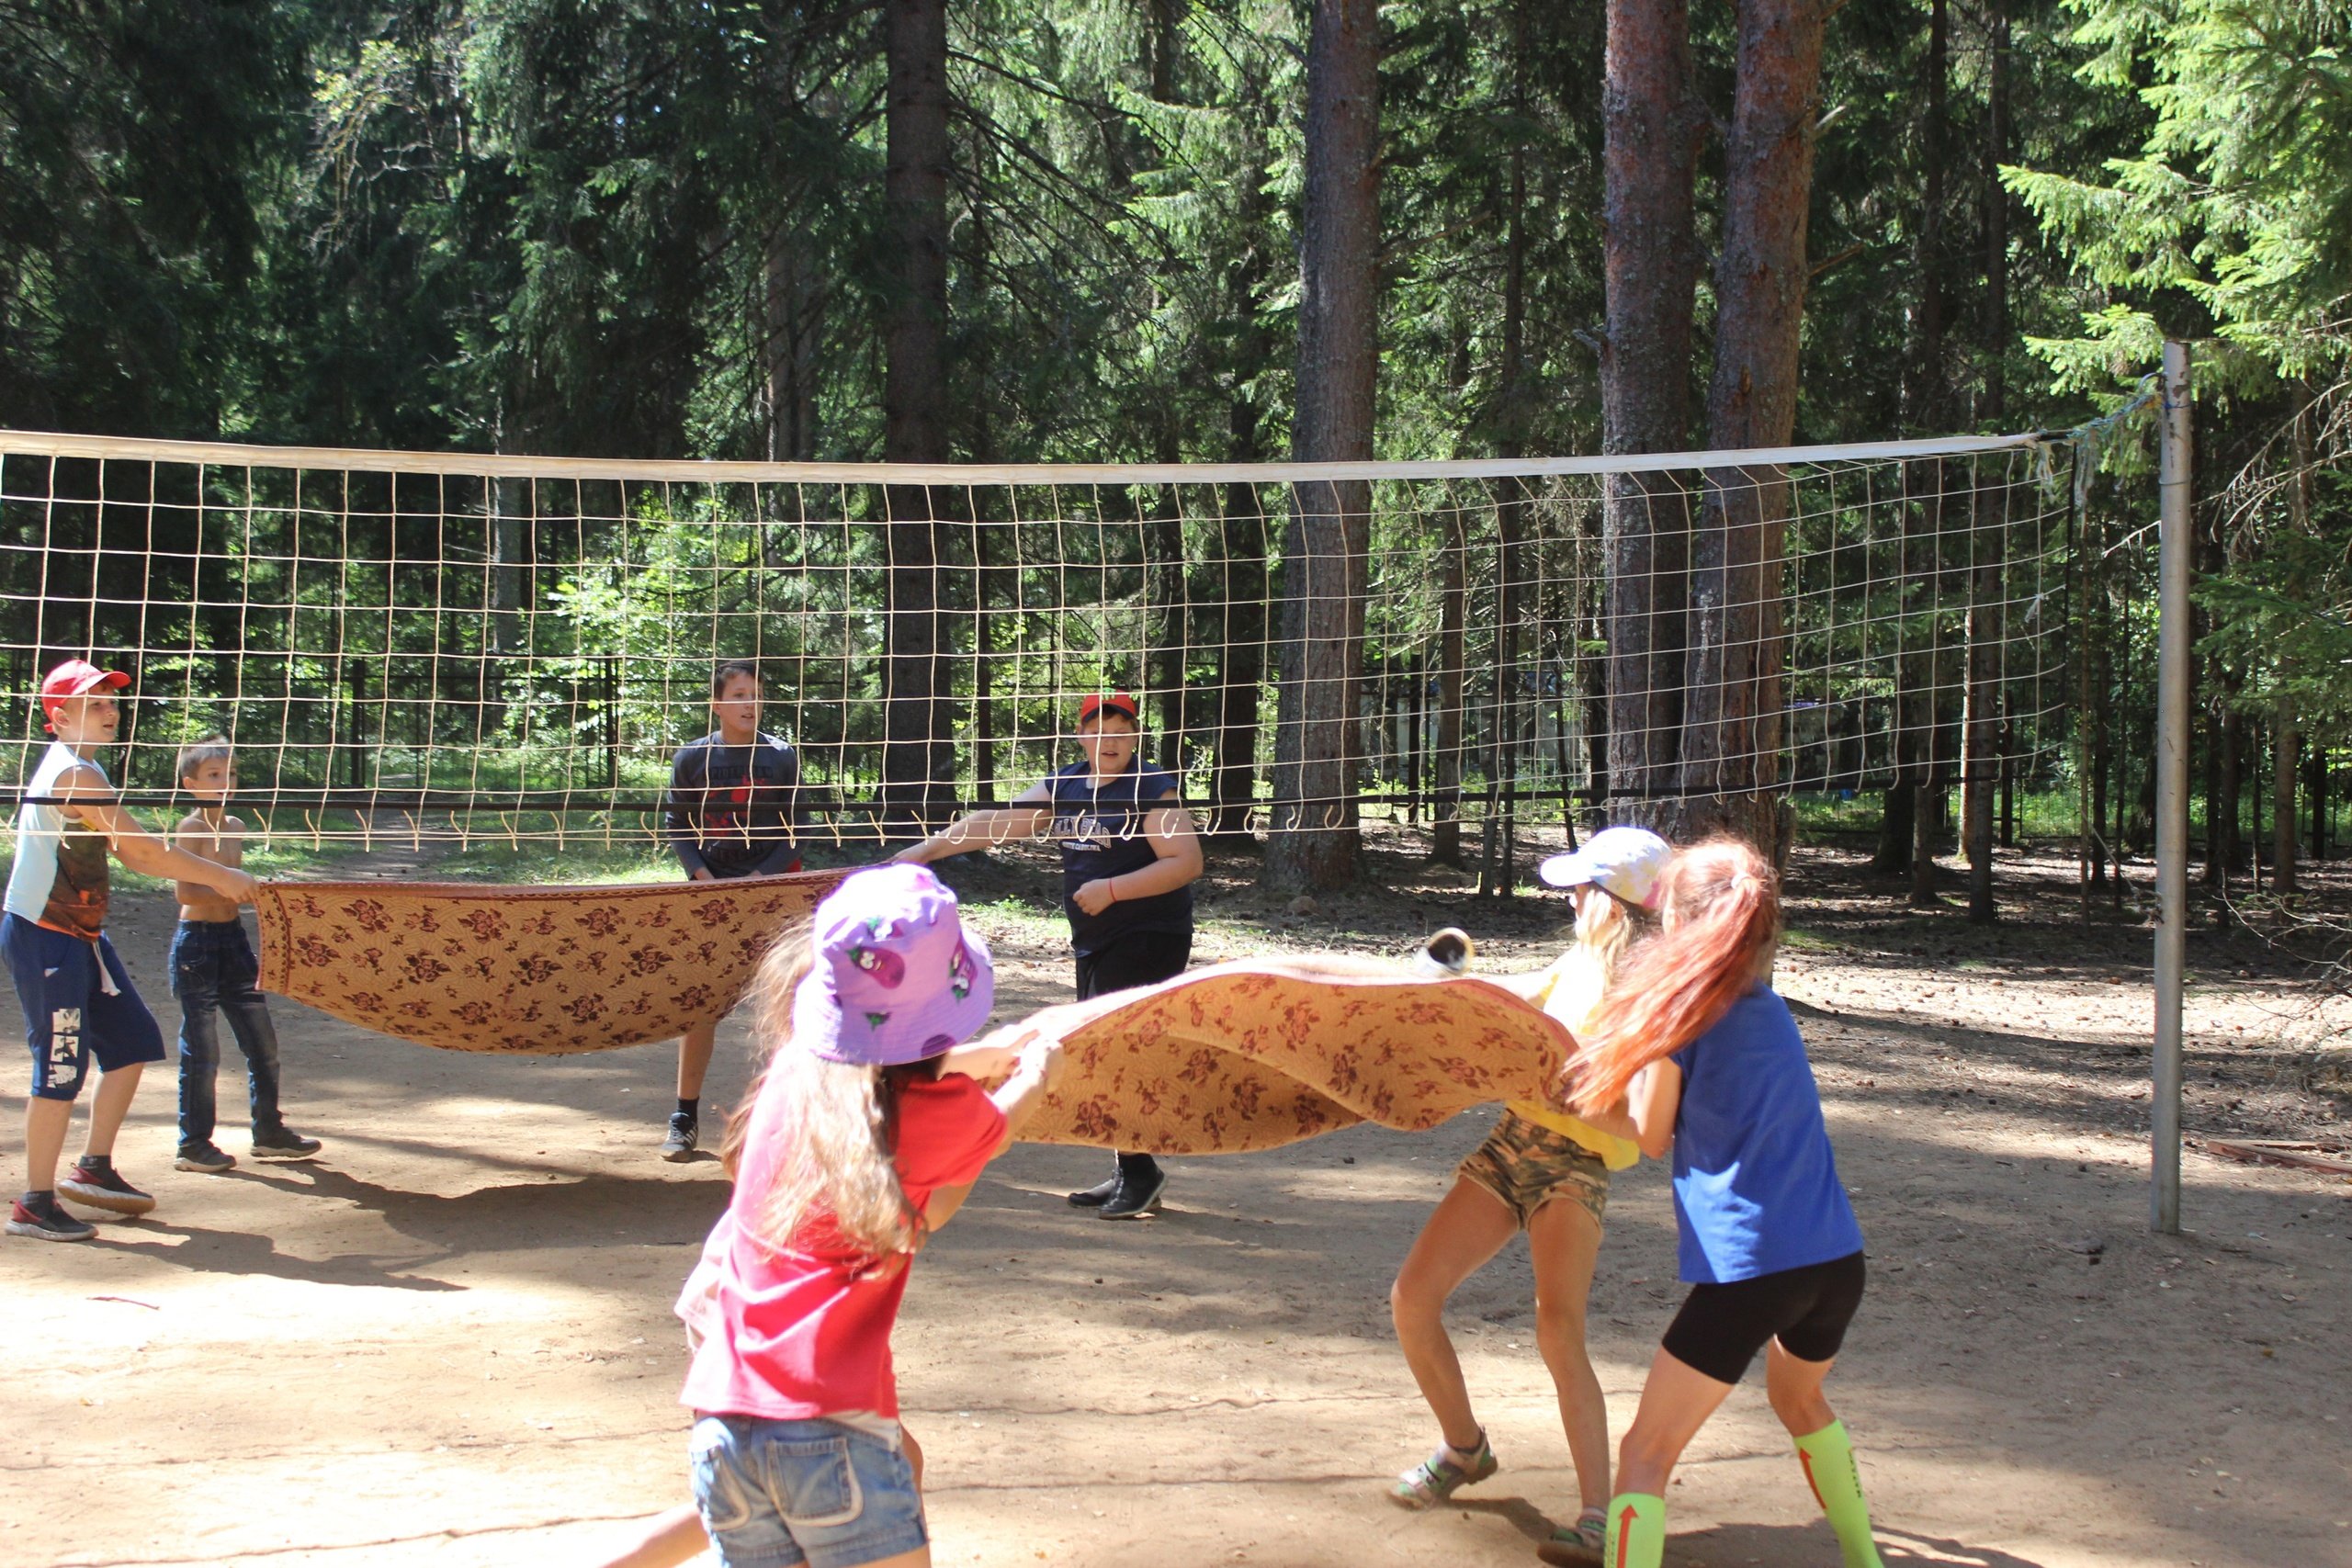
<point x="1438" y="1477"/>
<point x="1579" y="1544"/>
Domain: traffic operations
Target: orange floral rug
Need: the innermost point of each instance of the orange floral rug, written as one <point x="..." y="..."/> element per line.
<point x="528" y="971"/>
<point x="1253" y="1056"/>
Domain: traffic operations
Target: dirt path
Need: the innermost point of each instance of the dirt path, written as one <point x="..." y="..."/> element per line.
<point x="448" y="1341"/>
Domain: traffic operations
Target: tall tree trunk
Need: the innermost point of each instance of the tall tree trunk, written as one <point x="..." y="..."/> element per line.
<point x="1925" y="401"/>
<point x="1166" y="583"/>
<point x="1168" y="606"/>
<point x="1652" y="124"/>
<point x="2223" y="818"/>
<point x="1732" y="718"/>
<point x="990" y="540"/>
<point x="1512" y="694"/>
<point x="1918" y="565"/>
<point x="1926" y="397"/>
<point x="2315" y="797"/>
<point x="1453" y="612"/>
<point x="1239" y="627"/>
<point x="1245" y="540"/>
<point x="1324" y="553"/>
<point x="1927" y="824"/>
<point x="2283" y="770"/>
<point x="794" y="311"/>
<point x="916" y="759"/>
<point x="1980" y="733"/>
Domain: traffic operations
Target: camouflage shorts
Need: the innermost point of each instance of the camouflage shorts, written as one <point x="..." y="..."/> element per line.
<point x="1526" y="1164"/>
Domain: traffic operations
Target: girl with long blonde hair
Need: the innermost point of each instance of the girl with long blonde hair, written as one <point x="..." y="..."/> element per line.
<point x="1693" y="1052"/>
<point x="1537" y="1153"/>
<point x="864" y="1131"/>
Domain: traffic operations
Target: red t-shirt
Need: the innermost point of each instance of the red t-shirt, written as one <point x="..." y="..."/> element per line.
<point x="805" y="1331"/>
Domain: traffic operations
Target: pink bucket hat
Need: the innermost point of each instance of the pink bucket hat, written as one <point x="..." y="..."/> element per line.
<point x="1623" y="861"/>
<point x="897" y="979"/>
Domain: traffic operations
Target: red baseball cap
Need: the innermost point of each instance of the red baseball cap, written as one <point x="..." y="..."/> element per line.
<point x="75" y="678"/>
<point x="1117" y="702"/>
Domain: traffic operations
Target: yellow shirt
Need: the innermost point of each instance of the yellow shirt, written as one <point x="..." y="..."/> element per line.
<point x="1571" y="999"/>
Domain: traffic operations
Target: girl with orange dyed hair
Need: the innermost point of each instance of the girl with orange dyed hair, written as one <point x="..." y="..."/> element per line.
<point x="1693" y="1052"/>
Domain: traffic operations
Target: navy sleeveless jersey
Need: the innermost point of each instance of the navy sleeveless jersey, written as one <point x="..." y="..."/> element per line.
<point x="1100" y="830"/>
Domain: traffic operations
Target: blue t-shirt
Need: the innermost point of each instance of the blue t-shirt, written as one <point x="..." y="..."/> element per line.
<point x="1755" y="1186"/>
<point x="1100" y="830"/>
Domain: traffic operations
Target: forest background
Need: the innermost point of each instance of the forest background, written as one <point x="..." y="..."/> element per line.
<point x="1167" y="231"/>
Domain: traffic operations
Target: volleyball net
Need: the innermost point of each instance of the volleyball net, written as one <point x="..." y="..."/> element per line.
<point x="455" y="647"/>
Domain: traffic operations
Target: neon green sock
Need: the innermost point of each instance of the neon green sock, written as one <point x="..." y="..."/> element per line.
<point x="1637" y="1530"/>
<point x="1829" y="1459"/>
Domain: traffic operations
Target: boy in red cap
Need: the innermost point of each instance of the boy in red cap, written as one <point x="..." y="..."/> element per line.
<point x="1129" y="860"/>
<point x="77" y="997"/>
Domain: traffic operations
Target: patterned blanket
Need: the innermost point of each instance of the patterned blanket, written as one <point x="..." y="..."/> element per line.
<point x="1240" y="1057"/>
<point x="1253" y="1056"/>
<point x="528" y="971"/>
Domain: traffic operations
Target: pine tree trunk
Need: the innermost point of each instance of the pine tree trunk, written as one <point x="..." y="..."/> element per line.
<point x="1239" y="629"/>
<point x="1453" y="606"/>
<point x="1325" y="557"/>
<point x="1168" y="618"/>
<point x="1732" y="718"/>
<point x="2222" y="819"/>
<point x="1927" y="826"/>
<point x="1926" y="400"/>
<point x="1980" y="734"/>
<point x="1652" y="126"/>
<point x="2282" y="804"/>
<point x="795" y="321"/>
<point x="1244" y="539"/>
<point x="916" y="760"/>
<point x="2315" y="797"/>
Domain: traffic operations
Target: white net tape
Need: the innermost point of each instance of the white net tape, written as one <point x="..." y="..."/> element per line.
<point x="423" y="645"/>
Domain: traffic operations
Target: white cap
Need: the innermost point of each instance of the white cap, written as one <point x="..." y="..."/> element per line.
<point x="1626" y="863"/>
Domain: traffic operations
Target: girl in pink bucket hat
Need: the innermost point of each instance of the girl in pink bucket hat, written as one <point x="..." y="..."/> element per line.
<point x="865" y="1130"/>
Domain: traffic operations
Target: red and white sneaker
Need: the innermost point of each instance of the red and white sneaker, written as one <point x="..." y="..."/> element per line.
<point x="42" y="1220"/>
<point x="102" y="1186"/>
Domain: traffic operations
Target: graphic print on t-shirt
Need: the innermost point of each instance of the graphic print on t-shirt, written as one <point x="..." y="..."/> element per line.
<point x="78" y="895"/>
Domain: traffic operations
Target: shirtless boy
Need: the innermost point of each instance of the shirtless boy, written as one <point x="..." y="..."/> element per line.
<point x="214" y="971"/>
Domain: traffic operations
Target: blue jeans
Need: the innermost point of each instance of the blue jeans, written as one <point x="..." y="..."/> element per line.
<point x="779" y="1494"/>
<point x="214" y="970"/>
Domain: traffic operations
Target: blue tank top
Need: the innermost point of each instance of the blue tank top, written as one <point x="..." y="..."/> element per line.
<point x="1755" y="1186"/>
<point x="1101" y="832"/>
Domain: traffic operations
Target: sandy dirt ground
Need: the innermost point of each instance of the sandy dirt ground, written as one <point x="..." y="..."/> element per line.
<point x="447" y="1341"/>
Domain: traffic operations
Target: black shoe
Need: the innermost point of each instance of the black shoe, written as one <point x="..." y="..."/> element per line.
<point x="284" y="1143"/>
<point x="683" y="1136"/>
<point x="1134" y="1199"/>
<point x="205" y="1157"/>
<point x="102" y="1186"/>
<point x="1094" y="1197"/>
<point x="43" y="1221"/>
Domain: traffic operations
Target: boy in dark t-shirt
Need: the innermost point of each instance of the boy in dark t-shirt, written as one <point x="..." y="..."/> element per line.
<point x="731" y="808"/>
<point x="1129" y="859"/>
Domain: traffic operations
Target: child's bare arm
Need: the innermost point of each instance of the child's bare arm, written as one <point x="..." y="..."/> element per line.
<point x="141" y="851"/>
<point x="1017" y="1097"/>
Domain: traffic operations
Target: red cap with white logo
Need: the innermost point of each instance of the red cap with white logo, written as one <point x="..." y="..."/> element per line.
<point x="76" y="678"/>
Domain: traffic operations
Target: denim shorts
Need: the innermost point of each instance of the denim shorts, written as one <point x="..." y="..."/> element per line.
<point x="775" y="1493"/>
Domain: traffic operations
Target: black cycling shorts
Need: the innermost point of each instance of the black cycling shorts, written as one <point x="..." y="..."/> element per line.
<point x="1721" y="1327"/>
